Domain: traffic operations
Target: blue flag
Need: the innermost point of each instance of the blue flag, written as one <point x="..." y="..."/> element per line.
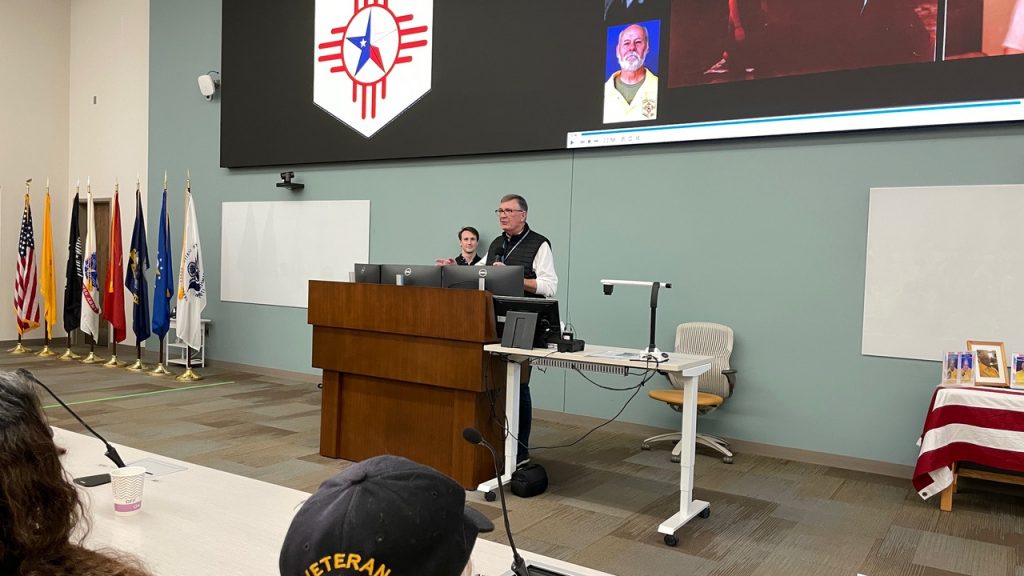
<point x="135" y="274"/>
<point x="163" y="287"/>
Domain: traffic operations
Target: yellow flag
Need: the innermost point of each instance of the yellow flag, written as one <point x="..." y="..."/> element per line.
<point x="48" y="285"/>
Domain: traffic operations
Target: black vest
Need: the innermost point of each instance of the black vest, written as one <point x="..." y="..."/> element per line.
<point x="517" y="251"/>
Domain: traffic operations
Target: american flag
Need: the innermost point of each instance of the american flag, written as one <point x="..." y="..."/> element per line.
<point x="26" y="306"/>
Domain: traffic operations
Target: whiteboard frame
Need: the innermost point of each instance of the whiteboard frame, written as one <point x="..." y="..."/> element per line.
<point x="270" y="250"/>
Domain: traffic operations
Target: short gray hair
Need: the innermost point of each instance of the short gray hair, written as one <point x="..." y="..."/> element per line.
<point x="519" y="199"/>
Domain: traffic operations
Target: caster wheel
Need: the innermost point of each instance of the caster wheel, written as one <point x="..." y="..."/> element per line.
<point x="671" y="540"/>
<point x="645" y="446"/>
<point x="705" y="513"/>
<point x="727" y="459"/>
<point x="676" y="459"/>
<point x="490" y="496"/>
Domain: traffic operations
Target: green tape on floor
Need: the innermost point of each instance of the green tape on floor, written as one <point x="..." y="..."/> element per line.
<point x="109" y="398"/>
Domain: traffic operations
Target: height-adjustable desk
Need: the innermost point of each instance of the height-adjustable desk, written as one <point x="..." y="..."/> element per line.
<point x="686" y="365"/>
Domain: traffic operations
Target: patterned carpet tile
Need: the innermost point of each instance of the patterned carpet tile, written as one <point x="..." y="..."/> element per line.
<point x="769" y="516"/>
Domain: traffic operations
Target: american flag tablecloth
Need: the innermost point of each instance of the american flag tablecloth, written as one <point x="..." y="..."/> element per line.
<point x="980" y="425"/>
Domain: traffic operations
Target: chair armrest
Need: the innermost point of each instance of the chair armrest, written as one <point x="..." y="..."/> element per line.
<point x="731" y="376"/>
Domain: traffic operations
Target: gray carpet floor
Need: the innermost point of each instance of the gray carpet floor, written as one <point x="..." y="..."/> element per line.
<point x="606" y="496"/>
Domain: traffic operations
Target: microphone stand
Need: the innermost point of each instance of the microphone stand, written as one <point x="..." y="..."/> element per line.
<point x="111" y="451"/>
<point x="473" y="436"/>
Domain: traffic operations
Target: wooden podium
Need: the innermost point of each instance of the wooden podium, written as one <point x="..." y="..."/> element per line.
<point x="405" y="372"/>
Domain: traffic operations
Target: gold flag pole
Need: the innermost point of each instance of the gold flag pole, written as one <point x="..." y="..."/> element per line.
<point x="189" y="375"/>
<point x="160" y="369"/>
<point x="113" y="362"/>
<point x="137" y="366"/>
<point x="46" y="352"/>
<point x="92" y="358"/>
<point x="70" y="354"/>
<point x="21" y="348"/>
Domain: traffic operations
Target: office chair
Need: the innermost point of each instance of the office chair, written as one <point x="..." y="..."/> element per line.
<point x="713" y="386"/>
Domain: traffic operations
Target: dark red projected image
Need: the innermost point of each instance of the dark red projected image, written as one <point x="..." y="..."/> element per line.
<point x="724" y="41"/>
<point x="979" y="28"/>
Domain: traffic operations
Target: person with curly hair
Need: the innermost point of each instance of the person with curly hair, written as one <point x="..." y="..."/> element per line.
<point x="42" y="519"/>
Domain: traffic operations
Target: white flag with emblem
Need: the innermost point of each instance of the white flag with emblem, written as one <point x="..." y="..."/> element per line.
<point x="90" y="277"/>
<point x="191" y="281"/>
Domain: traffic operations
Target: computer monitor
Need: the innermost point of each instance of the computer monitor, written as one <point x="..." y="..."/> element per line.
<point x="412" y="274"/>
<point x="549" y="326"/>
<point x="498" y="280"/>
<point x="367" y="273"/>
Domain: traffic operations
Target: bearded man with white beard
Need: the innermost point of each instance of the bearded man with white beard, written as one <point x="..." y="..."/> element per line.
<point x="632" y="92"/>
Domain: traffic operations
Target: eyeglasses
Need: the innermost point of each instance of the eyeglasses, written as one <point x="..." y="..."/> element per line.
<point x="507" y="211"/>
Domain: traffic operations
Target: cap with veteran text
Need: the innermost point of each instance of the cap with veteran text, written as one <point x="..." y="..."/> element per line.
<point x="383" y="516"/>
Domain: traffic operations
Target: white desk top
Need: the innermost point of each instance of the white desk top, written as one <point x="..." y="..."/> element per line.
<point x="204" y="521"/>
<point x="596" y="354"/>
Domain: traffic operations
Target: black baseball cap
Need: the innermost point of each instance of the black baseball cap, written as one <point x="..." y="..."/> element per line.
<point x="384" y="515"/>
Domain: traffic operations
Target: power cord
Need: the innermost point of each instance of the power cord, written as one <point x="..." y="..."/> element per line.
<point x="650" y="373"/>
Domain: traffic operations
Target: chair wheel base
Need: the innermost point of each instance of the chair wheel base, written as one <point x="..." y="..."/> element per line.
<point x="727" y="459"/>
<point x="671" y="540"/>
<point x="676" y="459"/>
<point x="490" y="496"/>
<point x="645" y="446"/>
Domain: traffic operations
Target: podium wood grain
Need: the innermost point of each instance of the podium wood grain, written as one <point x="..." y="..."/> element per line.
<point x="405" y="373"/>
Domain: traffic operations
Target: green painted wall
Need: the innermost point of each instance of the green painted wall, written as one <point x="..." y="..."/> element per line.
<point x="767" y="236"/>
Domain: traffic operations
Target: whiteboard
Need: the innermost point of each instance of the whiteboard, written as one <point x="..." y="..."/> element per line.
<point x="271" y="250"/>
<point x="942" y="268"/>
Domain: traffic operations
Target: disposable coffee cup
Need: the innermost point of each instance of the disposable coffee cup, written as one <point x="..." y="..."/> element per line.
<point x="127" y="485"/>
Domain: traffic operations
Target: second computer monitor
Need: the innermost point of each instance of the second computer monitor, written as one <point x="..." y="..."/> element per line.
<point x="367" y="273"/>
<point x="412" y="274"/>
<point x="498" y="280"/>
<point x="549" y="325"/>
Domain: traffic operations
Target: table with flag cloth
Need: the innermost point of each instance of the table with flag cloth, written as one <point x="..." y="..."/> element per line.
<point x="979" y="425"/>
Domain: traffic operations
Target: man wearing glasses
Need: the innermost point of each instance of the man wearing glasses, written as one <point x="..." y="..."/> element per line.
<point x="518" y="245"/>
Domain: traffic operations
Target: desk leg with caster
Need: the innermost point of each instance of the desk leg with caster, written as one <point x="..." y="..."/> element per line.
<point x="512" y="375"/>
<point x="688" y="507"/>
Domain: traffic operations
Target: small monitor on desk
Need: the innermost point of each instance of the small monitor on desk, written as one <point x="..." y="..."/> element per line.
<point x="498" y="280"/>
<point x="412" y="274"/>
<point x="549" y="326"/>
<point x="367" y="273"/>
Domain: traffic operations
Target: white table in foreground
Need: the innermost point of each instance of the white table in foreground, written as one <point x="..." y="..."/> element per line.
<point x="687" y="365"/>
<point x="195" y="521"/>
<point x="205" y="521"/>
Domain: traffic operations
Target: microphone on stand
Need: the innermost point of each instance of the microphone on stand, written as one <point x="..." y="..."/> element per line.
<point x="473" y="436"/>
<point x="111" y="451"/>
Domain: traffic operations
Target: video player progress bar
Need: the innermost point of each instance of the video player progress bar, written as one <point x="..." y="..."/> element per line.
<point x="572" y="364"/>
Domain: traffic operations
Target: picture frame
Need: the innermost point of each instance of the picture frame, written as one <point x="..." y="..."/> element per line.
<point x="950" y="368"/>
<point x="965" y="377"/>
<point x="990" y="364"/>
<point x="1017" y="372"/>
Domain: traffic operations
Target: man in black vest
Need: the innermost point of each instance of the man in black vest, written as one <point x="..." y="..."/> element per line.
<point x="518" y="245"/>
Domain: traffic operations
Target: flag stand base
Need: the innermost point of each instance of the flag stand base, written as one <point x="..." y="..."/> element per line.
<point x="46" y="352"/>
<point x="92" y="358"/>
<point x="160" y="370"/>
<point x="189" y="376"/>
<point x="138" y="366"/>
<point x="113" y="362"/>
<point x="69" y="355"/>
<point x="20" y="349"/>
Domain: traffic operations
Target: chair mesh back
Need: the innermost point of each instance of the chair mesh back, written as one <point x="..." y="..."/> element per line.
<point x="708" y="339"/>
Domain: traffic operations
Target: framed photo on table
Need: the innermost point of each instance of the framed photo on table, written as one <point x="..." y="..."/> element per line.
<point x="990" y="367"/>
